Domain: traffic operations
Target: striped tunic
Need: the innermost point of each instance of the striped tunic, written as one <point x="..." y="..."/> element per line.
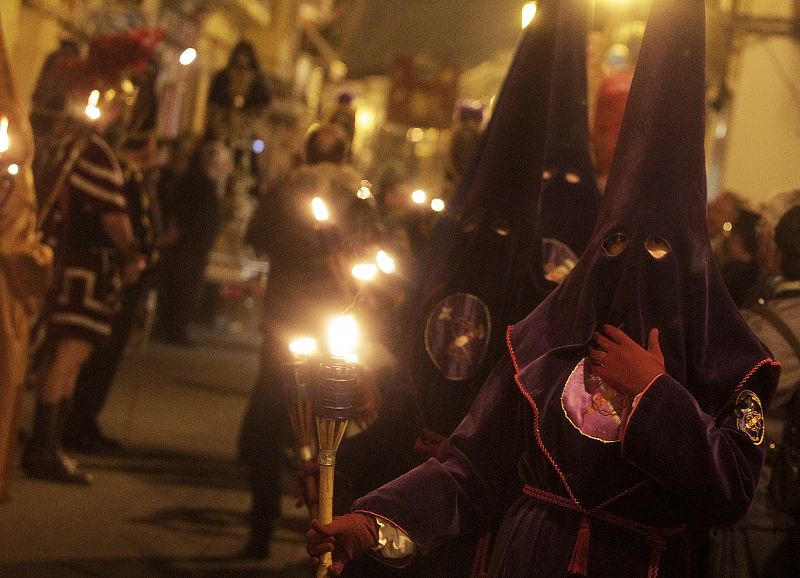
<point x="87" y="291"/>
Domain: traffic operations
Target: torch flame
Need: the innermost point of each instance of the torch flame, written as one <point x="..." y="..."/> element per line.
<point x="528" y="13"/>
<point x="343" y="336"/>
<point x="365" y="271"/>
<point x="303" y="347"/>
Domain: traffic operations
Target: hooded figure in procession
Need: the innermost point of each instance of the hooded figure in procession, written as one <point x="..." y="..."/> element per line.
<point x="486" y="270"/>
<point x="627" y="416"/>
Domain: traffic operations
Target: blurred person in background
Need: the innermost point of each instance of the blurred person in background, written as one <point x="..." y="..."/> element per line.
<point x="343" y="115"/>
<point x="240" y="86"/>
<point x="468" y="122"/>
<point x="172" y="160"/>
<point x="610" y="106"/>
<point x="309" y="283"/>
<point x="767" y="255"/>
<point x="49" y="99"/>
<point x="765" y="542"/>
<point x="740" y="272"/>
<point x="722" y="212"/>
<point x="733" y="230"/>
<point x="237" y="102"/>
<point x="96" y="249"/>
<point x="196" y="222"/>
<point x="135" y="146"/>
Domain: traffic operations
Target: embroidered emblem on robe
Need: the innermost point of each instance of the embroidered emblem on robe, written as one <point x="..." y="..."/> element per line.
<point x="750" y="416"/>
<point x="457" y="334"/>
<point x="592" y="406"/>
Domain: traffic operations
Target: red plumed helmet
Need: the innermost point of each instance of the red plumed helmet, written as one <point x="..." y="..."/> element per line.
<point x="110" y="55"/>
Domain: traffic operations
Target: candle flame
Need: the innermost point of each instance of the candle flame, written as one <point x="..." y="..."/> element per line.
<point x="187" y="56"/>
<point x="91" y="108"/>
<point x="385" y="261"/>
<point x="419" y="196"/>
<point x="5" y="141"/>
<point x="319" y="209"/>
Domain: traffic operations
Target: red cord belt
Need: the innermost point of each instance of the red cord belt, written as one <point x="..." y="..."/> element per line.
<point x="656" y="537"/>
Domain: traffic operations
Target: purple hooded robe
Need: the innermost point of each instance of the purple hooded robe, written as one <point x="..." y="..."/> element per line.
<point x="625" y="491"/>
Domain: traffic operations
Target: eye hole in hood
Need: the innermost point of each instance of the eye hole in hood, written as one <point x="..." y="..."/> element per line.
<point x="615" y="244"/>
<point x="658" y="247"/>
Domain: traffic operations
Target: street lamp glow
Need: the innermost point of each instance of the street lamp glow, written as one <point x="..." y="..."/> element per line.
<point x="303" y="347"/>
<point x="528" y="13"/>
<point x="187" y="56"/>
<point x="365" y="120"/>
<point x="419" y="196"/>
<point x="415" y="134"/>
<point x="437" y="205"/>
<point x="343" y="336"/>
<point x="365" y="271"/>
<point x="319" y="209"/>
<point x="385" y="261"/>
<point x="337" y="70"/>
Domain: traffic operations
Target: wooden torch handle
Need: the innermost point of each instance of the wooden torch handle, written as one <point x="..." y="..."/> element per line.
<point x="325" y="511"/>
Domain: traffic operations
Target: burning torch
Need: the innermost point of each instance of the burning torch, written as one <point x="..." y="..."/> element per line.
<point x="297" y="384"/>
<point x="334" y="401"/>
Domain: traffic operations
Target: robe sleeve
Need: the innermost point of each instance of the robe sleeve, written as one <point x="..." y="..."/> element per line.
<point x="455" y="492"/>
<point x="711" y="463"/>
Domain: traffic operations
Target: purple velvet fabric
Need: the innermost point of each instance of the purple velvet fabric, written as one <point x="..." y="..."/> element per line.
<point x="682" y="459"/>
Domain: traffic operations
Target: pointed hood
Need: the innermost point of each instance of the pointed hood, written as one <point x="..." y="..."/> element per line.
<point x="480" y="268"/>
<point x="569" y="177"/>
<point x="649" y="261"/>
<point x="503" y="181"/>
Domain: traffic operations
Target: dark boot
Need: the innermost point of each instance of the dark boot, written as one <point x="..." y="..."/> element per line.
<point x="82" y="434"/>
<point x="43" y="457"/>
<point x="258" y="543"/>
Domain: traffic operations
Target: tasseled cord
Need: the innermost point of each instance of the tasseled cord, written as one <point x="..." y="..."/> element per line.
<point x="578" y="564"/>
